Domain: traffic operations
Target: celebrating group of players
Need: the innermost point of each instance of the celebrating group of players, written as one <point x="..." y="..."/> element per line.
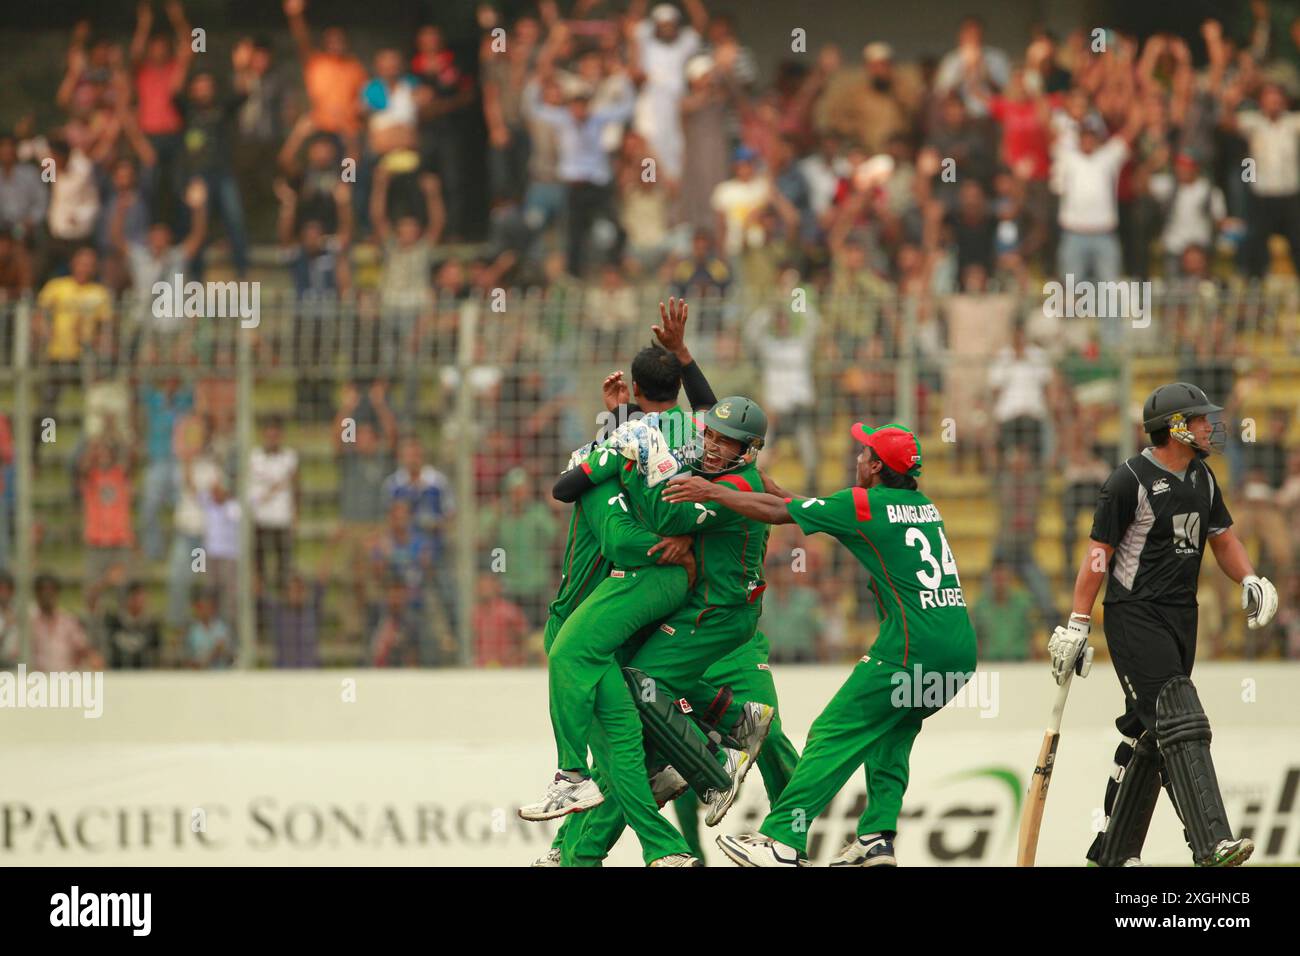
<point x="658" y="671"/>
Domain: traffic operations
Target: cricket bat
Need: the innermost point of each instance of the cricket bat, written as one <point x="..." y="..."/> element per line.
<point x="1031" y="817"/>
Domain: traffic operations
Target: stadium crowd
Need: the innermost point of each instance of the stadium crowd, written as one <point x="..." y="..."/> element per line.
<point x="627" y="152"/>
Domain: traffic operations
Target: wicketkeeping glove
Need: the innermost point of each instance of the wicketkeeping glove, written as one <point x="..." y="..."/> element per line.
<point x="579" y="456"/>
<point x="1258" y="600"/>
<point x="642" y="442"/>
<point x="1069" y="649"/>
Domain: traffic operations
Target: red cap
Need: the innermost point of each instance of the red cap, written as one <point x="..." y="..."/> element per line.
<point x="893" y="444"/>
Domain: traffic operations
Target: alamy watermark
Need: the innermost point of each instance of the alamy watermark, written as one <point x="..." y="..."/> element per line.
<point x="925" y="688"/>
<point x="1085" y="299"/>
<point x="179" y="299"/>
<point x="61" y="690"/>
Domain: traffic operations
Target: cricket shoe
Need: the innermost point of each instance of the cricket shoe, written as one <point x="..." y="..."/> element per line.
<point x="752" y="727"/>
<point x="720" y="801"/>
<point x="564" y="796"/>
<point x="550" y="858"/>
<point x="667" y="785"/>
<point x="870" y="850"/>
<point x="754" y="849"/>
<point x="677" y="859"/>
<point x="1230" y="853"/>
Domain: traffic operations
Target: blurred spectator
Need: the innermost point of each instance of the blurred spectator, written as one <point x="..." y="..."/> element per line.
<point x="6" y="489"/>
<point x="1003" y="618"/>
<point x="209" y="644"/>
<point x="710" y="100"/>
<point x="161" y="407"/>
<point x="208" y="153"/>
<point x="785" y="353"/>
<point x="792" y="615"/>
<point x="132" y="635"/>
<point x="294" y="620"/>
<point x="389" y="99"/>
<point x="58" y="641"/>
<point x="23" y="197"/>
<point x="332" y="75"/>
<point x="260" y="124"/>
<point x="365" y="433"/>
<point x="160" y="66"/>
<point x="159" y="258"/>
<point x="972" y="67"/>
<point x="504" y="76"/>
<point x="1019" y="495"/>
<point x="445" y="97"/>
<point x="1273" y="208"/>
<point x="873" y="104"/>
<point x="1193" y="210"/>
<point x="395" y="639"/>
<point x="1085" y="472"/>
<point x="659" y="48"/>
<point x="1021" y="379"/>
<point x="1089" y="214"/>
<point x="583" y="164"/>
<point x="523" y="530"/>
<point x="105" y="485"/>
<point x="70" y="312"/>
<point x="198" y="471"/>
<point x="273" y="491"/>
<point x="500" y="627"/>
<point x="74" y="202"/>
<point x="221" y="517"/>
<point x="9" y="637"/>
<point x="15" y="278"/>
<point x="734" y="200"/>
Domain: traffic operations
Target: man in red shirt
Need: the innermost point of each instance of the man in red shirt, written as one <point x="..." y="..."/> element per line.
<point x="500" y="626"/>
<point x="159" y="73"/>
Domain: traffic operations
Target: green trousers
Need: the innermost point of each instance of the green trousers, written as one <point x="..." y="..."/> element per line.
<point x="587" y="643"/>
<point x="746" y="671"/>
<point x="619" y="765"/>
<point x="867" y="724"/>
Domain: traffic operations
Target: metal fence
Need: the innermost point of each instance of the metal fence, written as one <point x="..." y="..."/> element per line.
<point x="121" y="428"/>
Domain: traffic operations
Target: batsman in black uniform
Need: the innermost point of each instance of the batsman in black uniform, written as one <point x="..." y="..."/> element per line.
<point x="1154" y="516"/>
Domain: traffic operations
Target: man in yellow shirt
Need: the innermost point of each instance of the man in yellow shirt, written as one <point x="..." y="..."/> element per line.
<point x="71" y="308"/>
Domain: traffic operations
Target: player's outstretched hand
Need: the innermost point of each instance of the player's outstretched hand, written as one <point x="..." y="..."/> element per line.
<point x="690" y="488"/>
<point x="1258" y="600"/>
<point x="672" y="333"/>
<point x="614" y="391"/>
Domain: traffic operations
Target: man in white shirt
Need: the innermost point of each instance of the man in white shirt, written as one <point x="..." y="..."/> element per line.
<point x="1021" y="377"/>
<point x="1193" y="206"/>
<point x="273" y="492"/>
<point x="1273" y="144"/>
<point x="1088" y="176"/>
<point x="662" y="47"/>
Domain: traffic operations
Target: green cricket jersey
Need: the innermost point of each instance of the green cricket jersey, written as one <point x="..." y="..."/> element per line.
<point x="729" y="548"/>
<point x="897" y="535"/>
<point x="583" y="566"/>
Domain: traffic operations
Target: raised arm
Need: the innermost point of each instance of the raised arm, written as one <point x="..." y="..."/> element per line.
<point x="672" y="336"/>
<point x="143" y="24"/>
<point x="756" y="505"/>
<point x="293" y="11"/>
<point x="184" y="51"/>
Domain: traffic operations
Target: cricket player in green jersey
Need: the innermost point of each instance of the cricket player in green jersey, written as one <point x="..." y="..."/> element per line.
<point x="719" y="618"/>
<point x="897" y="534"/>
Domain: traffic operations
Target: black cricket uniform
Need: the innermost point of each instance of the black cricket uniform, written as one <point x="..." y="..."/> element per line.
<point x="1158" y="522"/>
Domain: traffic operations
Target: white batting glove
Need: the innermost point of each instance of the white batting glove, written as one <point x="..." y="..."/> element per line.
<point x="1069" y="649"/>
<point x="1258" y="600"/>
